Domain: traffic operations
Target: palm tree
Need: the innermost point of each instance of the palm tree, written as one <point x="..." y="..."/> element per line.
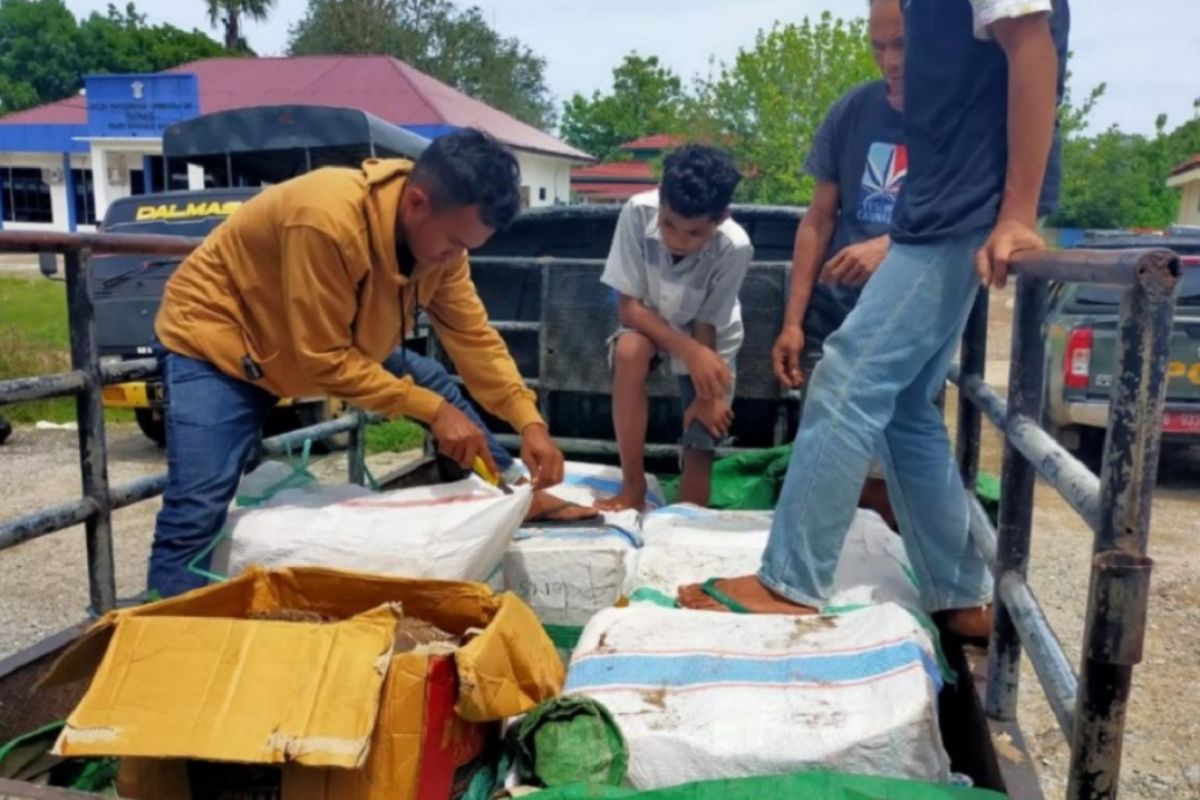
<point x="230" y="13"/>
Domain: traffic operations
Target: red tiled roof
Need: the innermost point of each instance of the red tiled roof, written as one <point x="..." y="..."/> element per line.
<point x="615" y="171"/>
<point x="609" y="191"/>
<point x="379" y="85"/>
<point x="71" y="111"/>
<point x="1187" y="166"/>
<point x="660" y="141"/>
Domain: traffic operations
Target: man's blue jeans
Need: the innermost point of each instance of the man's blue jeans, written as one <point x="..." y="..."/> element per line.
<point x="213" y="427"/>
<point x="875" y="390"/>
<point x="430" y="373"/>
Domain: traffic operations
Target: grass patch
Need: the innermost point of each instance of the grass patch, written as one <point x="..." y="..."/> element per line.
<point x="394" y="437"/>
<point x="34" y="341"/>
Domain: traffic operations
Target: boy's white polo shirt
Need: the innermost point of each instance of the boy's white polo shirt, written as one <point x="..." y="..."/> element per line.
<point x="702" y="287"/>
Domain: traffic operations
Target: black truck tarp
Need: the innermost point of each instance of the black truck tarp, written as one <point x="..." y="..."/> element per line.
<point x="269" y="144"/>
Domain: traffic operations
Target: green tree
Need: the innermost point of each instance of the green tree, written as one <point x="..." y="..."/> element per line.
<point x="1117" y="180"/>
<point x="1109" y="181"/>
<point x="456" y="46"/>
<point x="768" y="103"/>
<point x="229" y="13"/>
<point x="347" y="27"/>
<point x="45" y="52"/>
<point x="646" y="98"/>
<point x="39" y="58"/>
<point x="122" y="41"/>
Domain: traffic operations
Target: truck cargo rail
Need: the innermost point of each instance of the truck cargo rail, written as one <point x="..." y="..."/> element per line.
<point x="86" y="381"/>
<point x="1089" y="706"/>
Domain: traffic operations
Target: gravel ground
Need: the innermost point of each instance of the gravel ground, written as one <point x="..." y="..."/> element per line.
<point x="23" y="265"/>
<point x="43" y="586"/>
<point x="43" y="583"/>
<point x="1161" y="759"/>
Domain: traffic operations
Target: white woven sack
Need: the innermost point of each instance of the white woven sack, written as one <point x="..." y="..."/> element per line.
<point x="706" y="695"/>
<point x="453" y="531"/>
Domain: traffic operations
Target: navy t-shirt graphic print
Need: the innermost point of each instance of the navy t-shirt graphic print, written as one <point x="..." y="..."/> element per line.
<point x="883" y="178"/>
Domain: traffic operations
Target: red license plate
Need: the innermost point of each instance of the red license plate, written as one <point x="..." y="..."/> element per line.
<point x="1181" y="422"/>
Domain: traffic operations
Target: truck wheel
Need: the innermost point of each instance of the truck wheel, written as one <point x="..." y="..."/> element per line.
<point x="5" y="430"/>
<point x="153" y="426"/>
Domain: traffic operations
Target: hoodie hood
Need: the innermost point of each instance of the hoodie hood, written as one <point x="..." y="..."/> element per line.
<point x="385" y="183"/>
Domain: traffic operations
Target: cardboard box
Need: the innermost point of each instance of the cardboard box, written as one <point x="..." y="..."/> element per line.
<point x="193" y="679"/>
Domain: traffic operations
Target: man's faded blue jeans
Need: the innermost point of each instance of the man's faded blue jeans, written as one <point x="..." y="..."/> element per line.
<point x="875" y="390"/>
<point x="213" y="428"/>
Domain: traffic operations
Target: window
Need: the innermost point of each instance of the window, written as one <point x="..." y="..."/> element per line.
<point x="85" y="197"/>
<point x="26" y="197"/>
<point x="137" y="182"/>
<point x="158" y="180"/>
<point x="542" y="193"/>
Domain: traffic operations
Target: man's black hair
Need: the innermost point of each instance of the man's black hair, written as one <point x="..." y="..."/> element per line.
<point x="698" y="181"/>
<point x="470" y="168"/>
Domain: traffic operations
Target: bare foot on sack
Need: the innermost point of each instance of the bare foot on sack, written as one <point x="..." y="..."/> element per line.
<point x="629" y="497"/>
<point x="745" y="595"/>
<point x="972" y="624"/>
<point x="548" y="508"/>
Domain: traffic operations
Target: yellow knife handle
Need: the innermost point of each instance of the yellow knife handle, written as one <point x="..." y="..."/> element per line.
<point x="481" y="469"/>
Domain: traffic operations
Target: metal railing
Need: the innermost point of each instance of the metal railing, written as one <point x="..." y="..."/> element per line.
<point x="86" y="381"/>
<point x="1090" y="707"/>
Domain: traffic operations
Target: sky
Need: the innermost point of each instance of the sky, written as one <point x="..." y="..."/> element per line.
<point x="1147" y="52"/>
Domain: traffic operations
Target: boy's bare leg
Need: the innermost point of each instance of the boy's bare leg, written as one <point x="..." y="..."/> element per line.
<point x="632" y="355"/>
<point x="695" y="486"/>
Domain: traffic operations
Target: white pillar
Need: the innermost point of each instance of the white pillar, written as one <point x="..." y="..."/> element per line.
<point x="103" y="195"/>
<point x="58" y="204"/>
<point x="195" y="177"/>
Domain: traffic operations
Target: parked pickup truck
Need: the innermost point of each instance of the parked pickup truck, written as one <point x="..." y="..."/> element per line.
<point x="1081" y="352"/>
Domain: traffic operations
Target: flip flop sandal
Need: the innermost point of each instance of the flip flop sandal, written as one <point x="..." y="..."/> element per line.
<point x="709" y="587"/>
<point x="543" y="520"/>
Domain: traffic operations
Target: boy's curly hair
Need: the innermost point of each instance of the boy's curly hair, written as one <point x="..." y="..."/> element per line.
<point x="699" y="181"/>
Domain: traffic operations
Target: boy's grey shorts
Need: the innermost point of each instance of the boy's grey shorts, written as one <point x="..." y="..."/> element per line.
<point x="696" y="437"/>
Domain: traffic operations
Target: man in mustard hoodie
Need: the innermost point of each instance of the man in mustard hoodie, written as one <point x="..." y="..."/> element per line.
<point x="307" y="290"/>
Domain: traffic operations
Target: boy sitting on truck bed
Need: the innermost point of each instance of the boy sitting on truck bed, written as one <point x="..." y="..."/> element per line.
<point x="677" y="261"/>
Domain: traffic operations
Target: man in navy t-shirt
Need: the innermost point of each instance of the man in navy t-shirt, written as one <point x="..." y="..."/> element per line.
<point x="982" y="82"/>
<point x="859" y="162"/>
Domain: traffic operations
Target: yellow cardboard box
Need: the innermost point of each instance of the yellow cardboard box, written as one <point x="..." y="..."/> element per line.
<point x="193" y="679"/>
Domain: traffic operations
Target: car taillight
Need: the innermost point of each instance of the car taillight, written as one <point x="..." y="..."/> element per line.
<point x="1077" y="361"/>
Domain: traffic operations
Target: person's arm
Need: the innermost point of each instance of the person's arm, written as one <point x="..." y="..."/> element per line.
<point x="705" y="334"/>
<point x="856" y="263"/>
<point x="709" y="373"/>
<point x="321" y="305"/>
<point x="812" y="241"/>
<point x="715" y="414"/>
<point x="487" y="367"/>
<point x="321" y="301"/>
<point x="1032" y="105"/>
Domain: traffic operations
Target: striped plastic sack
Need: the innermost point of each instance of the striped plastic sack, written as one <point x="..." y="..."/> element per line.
<point x="703" y="695"/>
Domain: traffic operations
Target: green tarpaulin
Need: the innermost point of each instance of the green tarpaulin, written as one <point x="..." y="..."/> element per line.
<point x="752" y="481"/>
<point x="804" y="786"/>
